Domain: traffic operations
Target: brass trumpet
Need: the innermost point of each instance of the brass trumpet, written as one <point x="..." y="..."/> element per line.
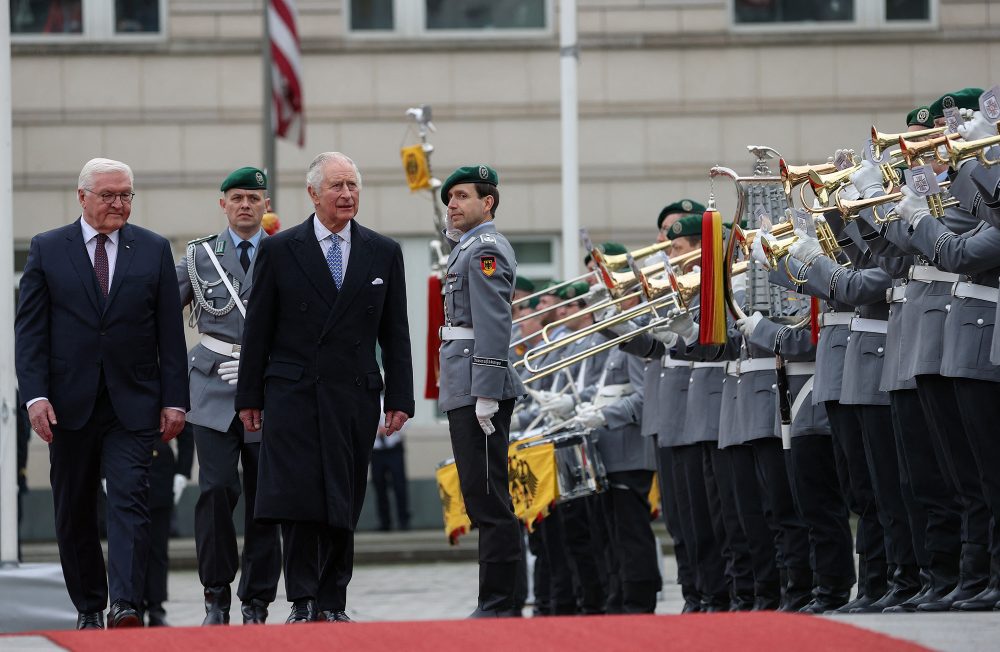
<point x="824" y="185"/>
<point x="850" y="209"/>
<point x="793" y="175"/>
<point x="914" y="151"/>
<point x="958" y="152"/>
<point x="881" y="141"/>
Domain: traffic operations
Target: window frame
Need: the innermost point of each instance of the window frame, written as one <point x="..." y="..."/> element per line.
<point x="550" y="269"/>
<point x="98" y="27"/>
<point x="410" y="19"/>
<point x="869" y="17"/>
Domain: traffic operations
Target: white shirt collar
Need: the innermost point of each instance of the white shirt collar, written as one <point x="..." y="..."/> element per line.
<point x="89" y="233"/>
<point x="322" y="232"/>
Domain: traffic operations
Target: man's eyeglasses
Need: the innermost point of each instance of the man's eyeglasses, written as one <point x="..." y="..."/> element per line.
<point x="110" y="197"/>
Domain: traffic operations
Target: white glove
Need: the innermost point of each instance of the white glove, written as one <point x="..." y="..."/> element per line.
<point x="596" y="294"/>
<point x="685" y="327"/>
<point x="868" y="179"/>
<point x="806" y="248"/>
<point x="589" y="416"/>
<point x="179" y="483"/>
<point x="485" y="409"/>
<point x="978" y="127"/>
<point x="747" y="324"/>
<point x="104" y="485"/>
<point x="967" y="114"/>
<point x="912" y="208"/>
<point x="850" y="193"/>
<point x="757" y="250"/>
<point x="230" y="369"/>
<point x="664" y="335"/>
<point x="620" y="328"/>
<point x="560" y="406"/>
<point x="452" y="234"/>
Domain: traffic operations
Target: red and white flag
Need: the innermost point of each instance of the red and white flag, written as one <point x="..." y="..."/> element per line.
<point x="286" y="71"/>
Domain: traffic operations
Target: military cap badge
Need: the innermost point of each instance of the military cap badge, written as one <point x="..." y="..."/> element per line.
<point x="483" y="172"/>
<point x="923" y="114"/>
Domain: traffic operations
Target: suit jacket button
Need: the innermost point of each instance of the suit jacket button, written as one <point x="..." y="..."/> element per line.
<point x="357" y="381"/>
<point x="303" y="306"/>
<point x="371" y="309"/>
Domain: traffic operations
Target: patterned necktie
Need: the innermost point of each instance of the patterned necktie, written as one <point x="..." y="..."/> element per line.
<point x="245" y="255"/>
<point x="101" y="263"/>
<point x="335" y="260"/>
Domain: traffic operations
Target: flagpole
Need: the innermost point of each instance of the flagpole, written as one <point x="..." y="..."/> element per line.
<point x="568" y="55"/>
<point x="270" y="166"/>
<point x="8" y="405"/>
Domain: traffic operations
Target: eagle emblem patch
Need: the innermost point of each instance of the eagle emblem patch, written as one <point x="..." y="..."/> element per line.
<point x="488" y="264"/>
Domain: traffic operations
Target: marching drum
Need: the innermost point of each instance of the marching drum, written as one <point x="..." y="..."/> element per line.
<point x="578" y="468"/>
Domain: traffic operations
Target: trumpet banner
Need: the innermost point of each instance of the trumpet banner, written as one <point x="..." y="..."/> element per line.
<point x="456" y="520"/>
<point x="418" y="171"/>
<point x="531" y="473"/>
<point x="712" y="325"/>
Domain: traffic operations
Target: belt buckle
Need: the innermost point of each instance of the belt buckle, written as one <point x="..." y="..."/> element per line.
<point x="954" y="290"/>
<point x="237" y="348"/>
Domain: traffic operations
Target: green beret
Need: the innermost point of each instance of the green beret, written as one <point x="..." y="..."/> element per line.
<point x="246" y="179"/>
<point x="967" y="98"/>
<point x="523" y="284"/>
<point x="920" y="116"/>
<point x="686" y="226"/>
<point x="684" y="206"/>
<point x="573" y="290"/>
<point x="470" y="174"/>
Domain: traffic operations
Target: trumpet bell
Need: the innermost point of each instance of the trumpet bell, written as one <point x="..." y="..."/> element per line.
<point x="960" y="151"/>
<point x="793" y="175"/>
<point x="881" y="141"/>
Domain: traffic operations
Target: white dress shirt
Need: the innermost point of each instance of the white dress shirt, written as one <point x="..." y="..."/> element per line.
<point x="325" y="241"/>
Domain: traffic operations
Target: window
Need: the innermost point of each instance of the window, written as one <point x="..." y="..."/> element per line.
<point x="826" y="14"/>
<point x="91" y="20"/>
<point x="536" y="257"/>
<point x="450" y="17"/>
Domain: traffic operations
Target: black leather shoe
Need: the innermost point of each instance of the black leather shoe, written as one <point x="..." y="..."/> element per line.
<point x="123" y="614"/>
<point x="337" y="617"/>
<point x="217" y="601"/>
<point x="93" y="620"/>
<point x="254" y="612"/>
<point x="860" y="602"/>
<point x="691" y="606"/>
<point x="156" y="616"/>
<point x="765" y="603"/>
<point x="303" y="611"/>
<point x="985" y="601"/>
<point x="495" y="613"/>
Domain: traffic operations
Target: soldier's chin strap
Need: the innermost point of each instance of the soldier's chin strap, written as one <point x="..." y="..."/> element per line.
<point x="225" y="279"/>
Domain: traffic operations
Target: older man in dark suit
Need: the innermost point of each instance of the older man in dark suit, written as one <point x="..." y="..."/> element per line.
<point x="325" y="293"/>
<point x="101" y="364"/>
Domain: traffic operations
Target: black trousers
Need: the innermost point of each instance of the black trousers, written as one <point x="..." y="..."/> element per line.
<point x="219" y="456"/>
<point x="672" y="519"/>
<point x="389" y="469"/>
<point x="979" y="401"/>
<point x="583" y="554"/>
<point x="817" y="492"/>
<point x="562" y="598"/>
<point x="739" y="562"/>
<point x="856" y="484"/>
<point x="481" y="462"/>
<point x="943" y="414"/>
<point x="319" y="563"/>
<point x="158" y="568"/>
<point x="750" y="509"/>
<point x="696" y="510"/>
<point x="632" y="541"/>
<point x="880" y="449"/>
<point x="76" y="459"/>
<point x="779" y="504"/>
<point x="933" y="492"/>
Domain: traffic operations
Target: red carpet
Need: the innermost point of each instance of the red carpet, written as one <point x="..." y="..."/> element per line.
<point x="742" y="632"/>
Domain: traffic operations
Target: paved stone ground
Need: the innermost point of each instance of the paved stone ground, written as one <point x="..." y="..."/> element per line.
<point x="447" y="590"/>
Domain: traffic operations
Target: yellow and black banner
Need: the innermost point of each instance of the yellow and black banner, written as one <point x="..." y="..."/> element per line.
<point x="418" y="173"/>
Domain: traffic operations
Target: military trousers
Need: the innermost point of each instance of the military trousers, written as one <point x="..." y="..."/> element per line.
<point x="979" y="401"/>
<point x="670" y="510"/>
<point x="633" y="544"/>
<point x="736" y="547"/>
<point x="219" y="456"/>
<point x="779" y="504"/>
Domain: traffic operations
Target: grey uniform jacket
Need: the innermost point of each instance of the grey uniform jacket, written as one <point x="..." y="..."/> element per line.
<point x="211" y="397"/>
<point x="620" y="440"/>
<point x="478" y="298"/>
<point x="672" y="378"/>
<point x="978" y="187"/>
<point x="968" y="326"/>
<point x="832" y="345"/>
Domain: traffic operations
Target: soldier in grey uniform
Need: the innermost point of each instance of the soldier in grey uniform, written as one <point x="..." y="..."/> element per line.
<point x="220" y="439"/>
<point x="478" y="386"/>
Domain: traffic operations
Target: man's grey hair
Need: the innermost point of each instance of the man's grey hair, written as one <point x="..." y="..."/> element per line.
<point x="314" y="176"/>
<point x="97" y="166"/>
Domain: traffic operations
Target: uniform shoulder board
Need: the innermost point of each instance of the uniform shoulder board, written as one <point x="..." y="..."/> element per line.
<point x="487" y="237"/>
<point x="198" y="241"/>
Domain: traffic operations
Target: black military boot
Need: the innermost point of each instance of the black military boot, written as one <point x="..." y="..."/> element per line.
<point x="942" y="576"/>
<point x="496" y="590"/>
<point x="254" y="612"/>
<point x="692" y="601"/>
<point x="905" y="584"/>
<point x="766" y="597"/>
<point x="830" y="594"/>
<point x="798" y="590"/>
<point x="871" y="586"/>
<point x="217" y="600"/>
<point x="987" y="599"/>
<point x="973" y="576"/>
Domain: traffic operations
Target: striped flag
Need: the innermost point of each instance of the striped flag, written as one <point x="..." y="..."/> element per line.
<point x="286" y="71"/>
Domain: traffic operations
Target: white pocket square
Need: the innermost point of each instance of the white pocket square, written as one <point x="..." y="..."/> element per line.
<point x="377" y="281"/>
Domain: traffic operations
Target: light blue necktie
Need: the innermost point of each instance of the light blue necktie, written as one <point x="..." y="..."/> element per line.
<point x="335" y="260"/>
